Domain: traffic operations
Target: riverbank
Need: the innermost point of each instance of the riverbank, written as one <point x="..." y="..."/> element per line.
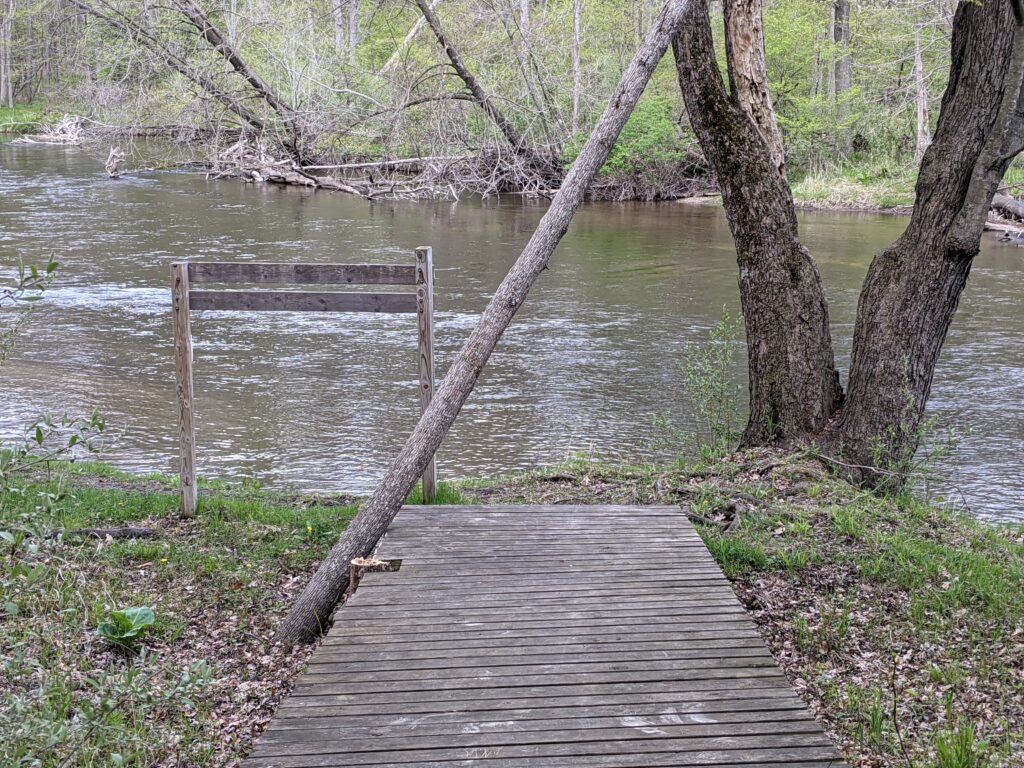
<point x="898" y="622"/>
<point x="22" y="118"/>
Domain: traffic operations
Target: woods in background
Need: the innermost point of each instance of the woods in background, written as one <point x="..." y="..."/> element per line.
<point x="345" y="81"/>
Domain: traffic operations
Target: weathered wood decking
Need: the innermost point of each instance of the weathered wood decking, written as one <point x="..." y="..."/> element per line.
<point x="543" y="637"/>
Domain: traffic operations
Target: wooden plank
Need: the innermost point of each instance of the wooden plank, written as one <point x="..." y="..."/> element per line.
<point x="513" y="656"/>
<point x="542" y="638"/>
<point x="183" y="375"/>
<point x="301" y="301"/>
<point x="425" y="326"/>
<point x="292" y="741"/>
<point x="768" y="697"/>
<point x="555" y="638"/>
<point x="257" y="273"/>
<point x="550" y="694"/>
<point x="668" y="707"/>
<point x="763" y="748"/>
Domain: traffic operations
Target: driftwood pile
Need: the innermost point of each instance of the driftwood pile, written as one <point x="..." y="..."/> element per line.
<point x="70" y="131"/>
<point x="434" y="177"/>
<point x="1007" y="217"/>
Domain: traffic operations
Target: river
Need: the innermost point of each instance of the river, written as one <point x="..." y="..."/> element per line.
<point x="323" y="402"/>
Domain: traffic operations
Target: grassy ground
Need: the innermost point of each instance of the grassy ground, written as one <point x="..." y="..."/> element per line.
<point x="871" y="185"/>
<point x="208" y="674"/>
<point x="900" y="624"/>
<point x="866" y="186"/>
<point x="23" y="118"/>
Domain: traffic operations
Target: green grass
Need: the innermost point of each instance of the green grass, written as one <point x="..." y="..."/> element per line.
<point x="867" y="185"/>
<point x="217" y="584"/>
<point x="22" y="118"/>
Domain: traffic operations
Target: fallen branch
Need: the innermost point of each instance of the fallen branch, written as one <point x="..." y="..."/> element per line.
<point x="124" y="532"/>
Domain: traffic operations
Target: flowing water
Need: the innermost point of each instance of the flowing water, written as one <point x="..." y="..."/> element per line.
<point x="323" y="402"/>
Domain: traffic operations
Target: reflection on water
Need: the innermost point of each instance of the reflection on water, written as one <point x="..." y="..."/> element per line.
<point x="324" y="402"/>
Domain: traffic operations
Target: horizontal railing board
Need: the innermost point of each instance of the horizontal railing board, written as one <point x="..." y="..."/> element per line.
<point x="301" y="301"/>
<point x="200" y="272"/>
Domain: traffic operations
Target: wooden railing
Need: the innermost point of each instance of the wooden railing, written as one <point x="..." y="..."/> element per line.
<point x="186" y="300"/>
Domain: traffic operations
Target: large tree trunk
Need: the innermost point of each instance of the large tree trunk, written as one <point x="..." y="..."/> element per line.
<point x="794" y="385"/>
<point x="312" y="611"/>
<point x="748" y="72"/>
<point x="913" y="287"/>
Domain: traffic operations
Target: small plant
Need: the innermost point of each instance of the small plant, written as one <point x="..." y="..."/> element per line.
<point x="19" y="298"/>
<point x="713" y="391"/>
<point x="125" y="628"/>
<point x="959" y="748"/>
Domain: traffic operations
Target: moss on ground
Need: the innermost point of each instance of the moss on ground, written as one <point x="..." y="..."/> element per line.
<point x="899" y="622"/>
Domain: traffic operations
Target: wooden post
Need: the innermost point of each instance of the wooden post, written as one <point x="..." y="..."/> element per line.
<point x="425" y="318"/>
<point x="183" y="373"/>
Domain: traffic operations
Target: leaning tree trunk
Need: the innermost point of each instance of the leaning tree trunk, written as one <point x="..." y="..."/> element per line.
<point x="913" y="287"/>
<point x="288" y="116"/>
<point x="480" y="96"/>
<point x="313" y="609"/>
<point x="137" y="33"/>
<point x="794" y="385"/>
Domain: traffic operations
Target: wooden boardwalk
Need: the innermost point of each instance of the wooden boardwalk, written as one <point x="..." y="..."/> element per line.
<point x="543" y="637"/>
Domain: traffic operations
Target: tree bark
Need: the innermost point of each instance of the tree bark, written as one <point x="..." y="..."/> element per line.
<point x="312" y="611"/>
<point x="748" y="72"/>
<point x="577" y="76"/>
<point x="353" y="30"/>
<point x="1009" y="205"/>
<point x="913" y="287"/>
<point x="794" y="385"/>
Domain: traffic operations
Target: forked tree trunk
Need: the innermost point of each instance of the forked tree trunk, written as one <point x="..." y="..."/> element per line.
<point x="748" y="72"/>
<point x="312" y="611"/>
<point x="913" y="287"/>
<point x="794" y="385"/>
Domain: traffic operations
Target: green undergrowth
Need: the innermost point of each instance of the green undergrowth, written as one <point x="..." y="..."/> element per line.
<point x="22" y="118"/>
<point x="216" y="584"/>
<point x="874" y="185"/>
<point x="900" y="622"/>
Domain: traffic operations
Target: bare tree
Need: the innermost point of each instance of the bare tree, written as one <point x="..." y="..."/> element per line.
<point x="314" y="607"/>
<point x="577" y="77"/>
<point x="843" y="70"/>
<point x="924" y="135"/>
